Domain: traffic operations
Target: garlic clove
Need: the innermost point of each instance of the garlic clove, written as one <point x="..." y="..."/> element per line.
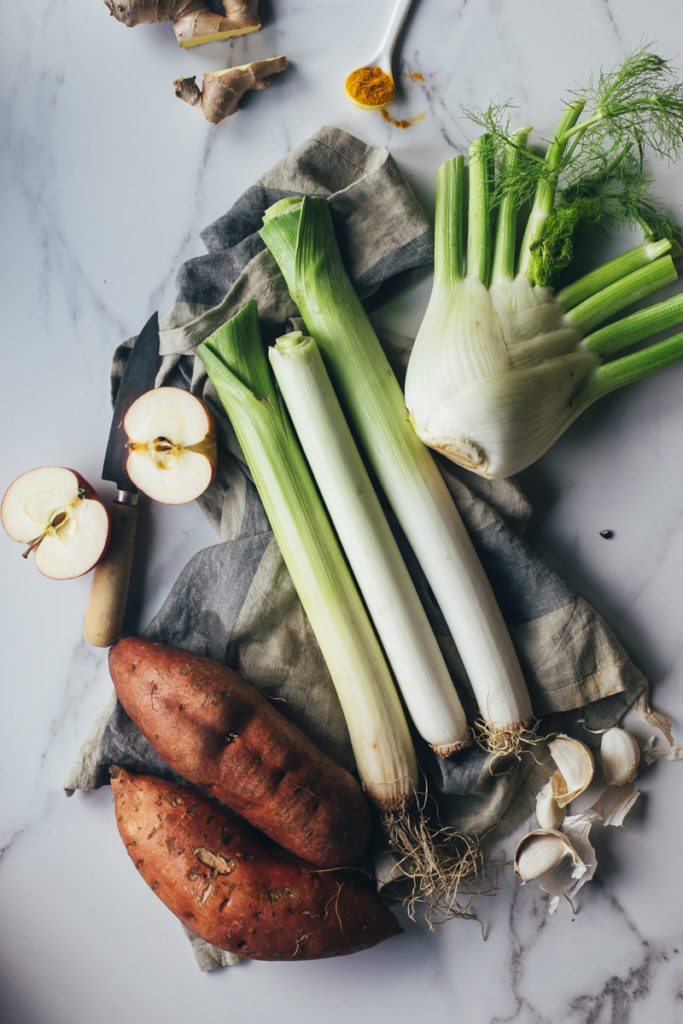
<point x="539" y="852"/>
<point x="575" y="768"/>
<point x="548" y="812"/>
<point x="547" y="857"/>
<point x="619" y="756"/>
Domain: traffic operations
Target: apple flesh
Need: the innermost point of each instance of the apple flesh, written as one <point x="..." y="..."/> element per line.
<point x="60" y="517"/>
<point x="172" y="445"/>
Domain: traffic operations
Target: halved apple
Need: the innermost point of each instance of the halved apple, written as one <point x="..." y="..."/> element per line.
<point x="172" y="445"/>
<point x="60" y="517"/>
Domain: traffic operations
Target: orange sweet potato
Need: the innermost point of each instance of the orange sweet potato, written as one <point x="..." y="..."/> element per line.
<point x="221" y="734"/>
<point x="232" y="887"/>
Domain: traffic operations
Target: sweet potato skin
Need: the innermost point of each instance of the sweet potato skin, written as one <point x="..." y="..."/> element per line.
<point x="219" y="733"/>
<point x="233" y="888"/>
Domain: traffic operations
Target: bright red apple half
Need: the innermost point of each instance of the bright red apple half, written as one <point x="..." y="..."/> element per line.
<point x="60" y="517"/>
<point x="172" y="445"/>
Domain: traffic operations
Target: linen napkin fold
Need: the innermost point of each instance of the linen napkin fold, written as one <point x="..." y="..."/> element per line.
<point x="234" y="601"/>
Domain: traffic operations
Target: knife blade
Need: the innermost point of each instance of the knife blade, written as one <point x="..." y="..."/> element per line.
<point x="111" y="578"/>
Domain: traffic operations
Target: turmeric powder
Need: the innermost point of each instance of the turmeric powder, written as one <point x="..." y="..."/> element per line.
<point x="370" y="88"/>
<point x="404" y="122"/>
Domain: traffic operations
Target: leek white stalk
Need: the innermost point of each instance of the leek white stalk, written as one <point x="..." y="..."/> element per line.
<point x="501" y="364"/>
<point x="382" y="746"/>
<point x="300" y="235"/>
<point x="368" y="543"/>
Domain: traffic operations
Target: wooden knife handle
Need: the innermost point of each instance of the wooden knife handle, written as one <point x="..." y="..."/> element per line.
<point x="111" y="578"/>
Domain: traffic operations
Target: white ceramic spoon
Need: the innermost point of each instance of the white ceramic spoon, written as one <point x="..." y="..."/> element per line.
<point x="382" y="60"/>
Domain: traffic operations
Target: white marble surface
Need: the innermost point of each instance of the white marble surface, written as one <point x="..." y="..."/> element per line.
<point x="107" y="180"/>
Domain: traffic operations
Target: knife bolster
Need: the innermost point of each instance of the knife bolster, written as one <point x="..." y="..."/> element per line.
<point x="122" y="497"/>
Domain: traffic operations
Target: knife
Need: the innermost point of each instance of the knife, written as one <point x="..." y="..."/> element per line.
<point x="109" y="591"/>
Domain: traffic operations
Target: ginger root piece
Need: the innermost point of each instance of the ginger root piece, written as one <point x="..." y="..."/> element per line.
<point x="193" y="20"/>
<point x="222" y="90"/>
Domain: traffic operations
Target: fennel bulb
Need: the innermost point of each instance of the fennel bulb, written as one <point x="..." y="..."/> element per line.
<point x="502" y="364"/>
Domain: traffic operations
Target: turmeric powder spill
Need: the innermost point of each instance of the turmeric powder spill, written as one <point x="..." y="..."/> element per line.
<point x="403" y="122"/>
<point x="371" y="88"/>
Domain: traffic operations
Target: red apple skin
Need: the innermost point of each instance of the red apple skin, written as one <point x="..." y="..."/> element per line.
<point x="89" y="493"/>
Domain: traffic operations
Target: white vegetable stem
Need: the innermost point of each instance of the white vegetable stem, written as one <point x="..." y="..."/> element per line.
<point x="300" y="235"/>
<point x="369" y="544"/>
<point x="236" y="363"/>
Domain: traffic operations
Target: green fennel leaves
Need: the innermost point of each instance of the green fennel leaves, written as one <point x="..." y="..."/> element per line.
<point x="593" y="168"/>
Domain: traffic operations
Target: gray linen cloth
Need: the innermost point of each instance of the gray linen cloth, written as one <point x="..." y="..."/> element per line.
<point x="234" y="601"/>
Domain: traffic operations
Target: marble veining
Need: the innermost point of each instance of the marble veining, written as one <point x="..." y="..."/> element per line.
<point x="613" y="999"/>
<point x="107" y="182"/>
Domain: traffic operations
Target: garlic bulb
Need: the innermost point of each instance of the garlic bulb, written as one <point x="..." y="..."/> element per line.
<point x="548" y="857"/>
<point x="619" y="756"/>
<point x="548" y="812"/>
<point x="575" y="768"/>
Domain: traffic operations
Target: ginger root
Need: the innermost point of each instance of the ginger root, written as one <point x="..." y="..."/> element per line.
<point x="222" y="90"/>
<point x="193" y="20"/>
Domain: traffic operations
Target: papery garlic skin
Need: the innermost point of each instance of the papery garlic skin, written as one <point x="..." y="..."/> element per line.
<point x="614" y="803"/>
<point x="549" y="814"/>
<point x="619" y="756"/>
<point x="575" y="765"/>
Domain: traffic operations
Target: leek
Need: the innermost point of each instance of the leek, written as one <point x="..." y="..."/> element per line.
<point x="435" y="861"/>
<point x="300" y="235"/>
<point x="502" y="364"/>
<point x="368" y="543"/>
<point x="237" y="366"/>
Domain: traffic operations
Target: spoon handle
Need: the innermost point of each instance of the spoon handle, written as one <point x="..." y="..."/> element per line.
<point x="398" y="16"/>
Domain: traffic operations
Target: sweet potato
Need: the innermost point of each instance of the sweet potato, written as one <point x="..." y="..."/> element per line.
<point x="232" y="887"/>
<point x="221" y="734"/>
